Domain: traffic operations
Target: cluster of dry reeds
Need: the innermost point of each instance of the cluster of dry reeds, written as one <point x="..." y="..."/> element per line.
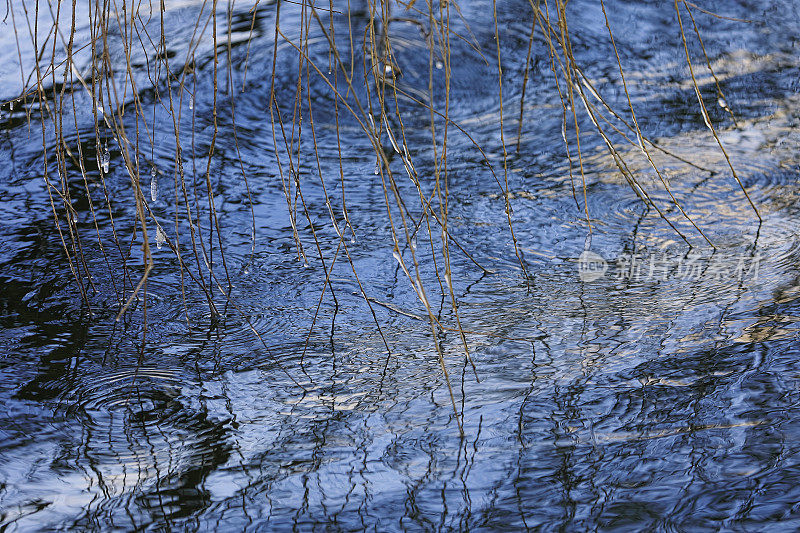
<point x="119" y="86"/>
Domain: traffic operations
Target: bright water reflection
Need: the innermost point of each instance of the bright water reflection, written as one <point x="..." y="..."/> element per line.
<point x="630" y="402"/>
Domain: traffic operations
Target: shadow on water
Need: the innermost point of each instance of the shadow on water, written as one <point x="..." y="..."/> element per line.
<point x="661" y="395"/>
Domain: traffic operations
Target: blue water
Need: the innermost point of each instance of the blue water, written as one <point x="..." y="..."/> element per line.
<point x="664" y="397"/>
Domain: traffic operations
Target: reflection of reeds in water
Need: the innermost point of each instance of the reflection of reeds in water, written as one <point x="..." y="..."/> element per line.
<point x="128" y="58"/>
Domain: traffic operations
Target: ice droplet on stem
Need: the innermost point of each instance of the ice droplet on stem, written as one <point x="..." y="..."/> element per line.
<point x="106" y="160"/>
<point x="154" y="184"/>
<point x="161" y="237"/>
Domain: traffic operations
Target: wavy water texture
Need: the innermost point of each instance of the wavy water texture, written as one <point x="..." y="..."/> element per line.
<point x="296" y="381"/>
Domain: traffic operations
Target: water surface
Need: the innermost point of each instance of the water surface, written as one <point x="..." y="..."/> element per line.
<point x="663" y="399"/>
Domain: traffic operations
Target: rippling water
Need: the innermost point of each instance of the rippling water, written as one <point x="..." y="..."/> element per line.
<point x="663" y="396"/>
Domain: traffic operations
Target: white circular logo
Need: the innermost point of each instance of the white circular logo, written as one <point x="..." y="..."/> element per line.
<point x="591" y="266"/>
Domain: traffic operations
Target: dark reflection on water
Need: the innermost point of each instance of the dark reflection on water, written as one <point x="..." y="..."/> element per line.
<point x="627" y="403"/>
